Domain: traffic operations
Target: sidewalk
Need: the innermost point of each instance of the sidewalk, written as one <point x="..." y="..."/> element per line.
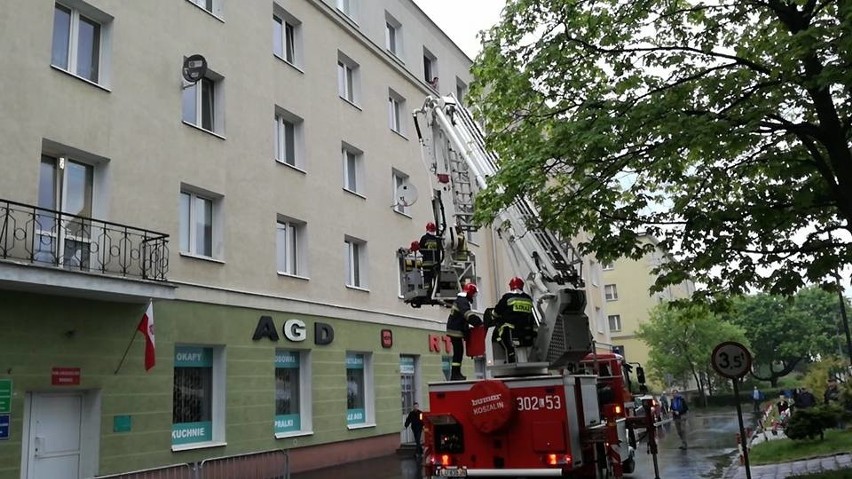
<point x="787" y="469"/>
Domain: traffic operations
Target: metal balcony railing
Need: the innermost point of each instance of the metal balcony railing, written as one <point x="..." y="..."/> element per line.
<point x="52" y="238"/>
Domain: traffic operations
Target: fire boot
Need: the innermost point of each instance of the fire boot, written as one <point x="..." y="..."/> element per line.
<point x="456" y="375"/>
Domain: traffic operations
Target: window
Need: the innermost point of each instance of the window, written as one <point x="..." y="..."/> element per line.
<point x="614" y="322"/>
<point x="599" y="319"/>
<point x="198" y="223"/>
<point x="213" y="7"/>
<point x="595" y="272"/>
<point x="352" y="169"/>
<point x="347" y="7"/>
<point x="290" y="244"/>
<point x="348" y="79"/>
<point x="202" y="103"/>
<point x="461" y="91"/>
<point x="393" y="35"/>
<point x="292" y="392"/>
<point x="359" y="408"/>
<point x="81" y="41"/>
<point x="198" y="395"/>
<point x="608" y="266"/>
<point x="610" y="292"/>
<point x="286" y="36"/>
<point x="396" y="109"/>
<point x="355" y="256"/>
<point x="430" y="69"/>
<point x="64" y="185"/>
<point x="399" y="205"/>
<point x="289" y="139"/>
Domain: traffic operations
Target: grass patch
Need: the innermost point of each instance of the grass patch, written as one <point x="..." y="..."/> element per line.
<point x="841" y="474"/>
<point x="785" y="450"/>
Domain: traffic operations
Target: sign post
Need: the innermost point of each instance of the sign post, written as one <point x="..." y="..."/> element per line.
<point x="733" y="361"/>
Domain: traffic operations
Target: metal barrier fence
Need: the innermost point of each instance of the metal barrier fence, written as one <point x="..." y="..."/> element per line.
<point x="274" y="464"/>
<point x="174" y="471"/>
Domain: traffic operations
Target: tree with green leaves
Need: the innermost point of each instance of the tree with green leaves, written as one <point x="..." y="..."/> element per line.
<point x="722" y="128"/>
<point x="681" y="340"/>
<point x="787" y="331"/>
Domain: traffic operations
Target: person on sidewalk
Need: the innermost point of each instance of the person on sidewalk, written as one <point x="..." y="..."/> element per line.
<point x="664" y="404"/>
<point x="415" y="421"/>
<point x="679" y="410"/>
<point x="461" y="318"/>
<point x="755" y="397"/>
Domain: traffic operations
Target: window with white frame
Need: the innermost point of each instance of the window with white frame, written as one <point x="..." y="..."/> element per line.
<point x="608" y="266"/>
<point x="198" y="396"/>
<point x="292" y="392"/>
<point x="198" y="223"/>
<point x="291" y="249"/>
<point x="286" y="36"/>
<point x="610" y="292"/>
<point x="614" y="322"/>
<point x="359" y="396"/>
<point x="595" y="272"/>
<point x="396" y="109"/>
<point x="289" y="139"/>
<point x="202" y="103"/>
<point x="213" y="7"/>
<point x="355" y="257"/>
<point x="398" y="179"/>
<point x="353" y="167"/>
<point x="81" y="41"/>
<point x="348" y="79"/>
<point x="461" y="91"/>
<point x="347" y="7"/>
<point x="599" y="320"/>
<point x="393" y="35"/>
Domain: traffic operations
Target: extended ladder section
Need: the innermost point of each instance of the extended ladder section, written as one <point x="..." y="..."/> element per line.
<point x="461" y="164"/>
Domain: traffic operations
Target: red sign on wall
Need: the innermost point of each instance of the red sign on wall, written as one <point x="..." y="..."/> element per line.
<point x="435" y="342"/>
<point x="65" y="376"/>
<point x="387" y="338"/>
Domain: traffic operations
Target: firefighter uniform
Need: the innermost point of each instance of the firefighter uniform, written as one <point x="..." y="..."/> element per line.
<point x="429" y="252"/>
<point x="458" y="325"/>
<point x="514" y="318"/>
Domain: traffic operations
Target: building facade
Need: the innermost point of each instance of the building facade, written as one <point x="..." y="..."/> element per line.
<point x="628" y="301"/>
<point x="268" y="252"/>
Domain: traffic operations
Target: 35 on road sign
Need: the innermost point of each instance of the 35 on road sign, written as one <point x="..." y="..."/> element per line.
<point x="731" y="360"/>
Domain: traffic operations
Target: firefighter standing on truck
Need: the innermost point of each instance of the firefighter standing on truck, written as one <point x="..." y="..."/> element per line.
<point x="429" y="252"/>
<point x="513" y="317"/>
<point x="458" y="324"/>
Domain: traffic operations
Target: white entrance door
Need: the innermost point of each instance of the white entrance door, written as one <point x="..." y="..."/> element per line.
<point x="55" y="436"/>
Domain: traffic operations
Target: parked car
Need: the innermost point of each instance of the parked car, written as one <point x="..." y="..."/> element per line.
<point x="656" y="410"/>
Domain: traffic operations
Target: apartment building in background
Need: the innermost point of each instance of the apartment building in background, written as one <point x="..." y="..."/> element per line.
<point x="254" y="209"/>
<point x="628" y="301"/>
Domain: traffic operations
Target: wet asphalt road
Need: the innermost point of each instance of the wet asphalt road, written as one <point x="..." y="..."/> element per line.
<point x="711" y="438"/>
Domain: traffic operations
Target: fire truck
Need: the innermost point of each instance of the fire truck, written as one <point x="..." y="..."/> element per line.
<point x="562" y="409"/>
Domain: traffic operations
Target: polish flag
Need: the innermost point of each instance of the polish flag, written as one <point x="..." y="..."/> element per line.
<point x="146" y="326"/>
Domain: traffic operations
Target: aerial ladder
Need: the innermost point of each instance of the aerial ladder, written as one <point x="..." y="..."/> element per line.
<point x="561" y="409"/>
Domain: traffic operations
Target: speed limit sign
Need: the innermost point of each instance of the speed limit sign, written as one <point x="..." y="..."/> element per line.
<point x="731" y="360"/>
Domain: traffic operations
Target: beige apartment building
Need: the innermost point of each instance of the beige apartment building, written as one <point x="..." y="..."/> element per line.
<point x="268" y="251"/>
<point x="628" y="301"/>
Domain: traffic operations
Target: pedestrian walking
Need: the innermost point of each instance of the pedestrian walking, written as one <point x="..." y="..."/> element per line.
<point x="514" y="319"/>
<point x="755" y="397"/>
<point x="458" y="324"/>
<point x="679" y="410"/>
<point x="664" y="404"/>
<point x="414" y="420"/>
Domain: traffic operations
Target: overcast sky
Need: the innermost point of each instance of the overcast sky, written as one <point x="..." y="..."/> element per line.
<point x="461" y="20"/>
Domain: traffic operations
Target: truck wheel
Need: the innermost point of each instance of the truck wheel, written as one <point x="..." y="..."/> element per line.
<point x="629" y="465"/>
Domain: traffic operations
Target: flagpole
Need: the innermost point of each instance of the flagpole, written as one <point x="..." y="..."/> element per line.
<point x="135" y="332"/>
<point x="133" y="338"/>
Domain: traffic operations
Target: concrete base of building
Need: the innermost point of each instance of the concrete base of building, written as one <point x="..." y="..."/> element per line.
<point x="328" y="455"/>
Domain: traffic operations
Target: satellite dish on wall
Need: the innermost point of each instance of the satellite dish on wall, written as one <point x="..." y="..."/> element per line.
<point x="406" y="194"/>
<point x="194" y="68"/>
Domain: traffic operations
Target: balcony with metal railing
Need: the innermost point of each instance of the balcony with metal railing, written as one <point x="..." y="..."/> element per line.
<point x="45" y="250"/>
